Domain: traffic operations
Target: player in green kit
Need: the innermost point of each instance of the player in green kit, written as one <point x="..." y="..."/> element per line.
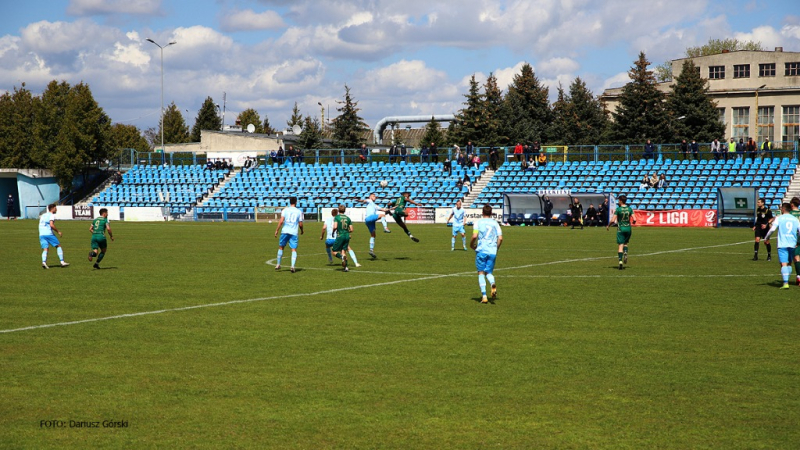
<point x="342" y="227"/>
<point x="98" y="228"/>
<point x="399" y="211"/>
<point x="623" y="217"/>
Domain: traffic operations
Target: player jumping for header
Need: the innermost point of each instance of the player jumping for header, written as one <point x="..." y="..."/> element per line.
<point x="399" y="211"/>
<point x="373" y="214"/>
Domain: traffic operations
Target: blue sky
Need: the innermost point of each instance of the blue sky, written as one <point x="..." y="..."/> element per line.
<point x="410" y="57"/>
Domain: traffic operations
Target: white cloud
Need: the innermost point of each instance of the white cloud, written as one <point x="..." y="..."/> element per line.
<point x="109" y="7"/>
<point x="558" y="66"/>
<point x="247" y="20"/>
<point x="616" y="81"/>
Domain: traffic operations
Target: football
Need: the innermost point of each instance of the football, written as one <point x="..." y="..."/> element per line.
<point x="384" y="183"/>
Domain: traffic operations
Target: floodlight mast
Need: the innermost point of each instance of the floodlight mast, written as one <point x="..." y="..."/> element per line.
<point x="162" y="91"/>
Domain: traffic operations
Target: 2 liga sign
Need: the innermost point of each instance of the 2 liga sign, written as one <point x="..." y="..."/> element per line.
<point x="677" y="218"/>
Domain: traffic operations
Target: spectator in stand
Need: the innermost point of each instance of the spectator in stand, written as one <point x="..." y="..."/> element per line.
<point x="460" y="159"/>
<point x="209" y="164"/>
<point x="459" y="183"/>
<point x="467" y="182"/>
<point x="434" y="151"/>
<point x="741" y="148"/>
<point x="281" y="154"/>
<point x="603" y="212"/>
<point x="751" y="148"/>
<point x="10" y="207"/>
<point x="273" y="155"/>
<point x="548" y="210"/>
<point x="518" y="152"/>
<point x="695" y="147"/>
<point x="424" y="153"/>
<point x="645" y="183"/>
<point x="662" y="182"/>
<point x="447" y="167"/>
<point x="403" y="152"/>
<point x="363" y="152"/>
<point x="476" y="161"/>
<point x="766" y="148"/>
<point x="653" y="180"/>
<point x="526" y="152"/>
<point x="493" y="157"/>
<point x="731" y="150"/>
<point x="649" y="150"/>
<point x="685" y="149"/>
<point x="716" y="149"/>
<point x="590" y="218"/>
<point x="299" y="155"/>
<point x="532" y="163"/>
<point x="536" y="148"/>
<point x="542" y="159"/>
<point x="523" y="166"/>
<point x="290" y="154"/>
<point x="469" y="150"/>
<point x="118" y="178"/>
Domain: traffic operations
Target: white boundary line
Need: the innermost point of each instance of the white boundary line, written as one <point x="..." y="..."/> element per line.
<point x="330" y="291"/>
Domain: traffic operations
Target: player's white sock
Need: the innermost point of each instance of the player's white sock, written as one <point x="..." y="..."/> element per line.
<point x="383" y="221"/>
<point x="294" y="258"/>
<point x="453" y="243"/>
<point x="60" y="252"/>
<point x="44" y="255"/>
<point x="371" y="244"/>
<point x="353" y="257"/>
<point x="482" y="284"/>
<point x="280" y="255"/>
<point x="464" y="241"/>
<point x="490" y="277"/>
<point x="786" y="271"/>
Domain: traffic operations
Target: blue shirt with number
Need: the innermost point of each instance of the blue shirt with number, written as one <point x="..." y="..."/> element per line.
<point x="786" y="227"/>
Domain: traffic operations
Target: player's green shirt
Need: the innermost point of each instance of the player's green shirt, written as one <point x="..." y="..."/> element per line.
<point x="795" y="212"/>
<point x="624" y="214"/>
<point x="99" y="227"/>
<point x="400" y="204"/>
<point x="342" y="226"/>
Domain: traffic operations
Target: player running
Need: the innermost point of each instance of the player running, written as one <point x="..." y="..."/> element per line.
<point x="373" y="214"/>
<point x="795" y="202"/>
<point x="399" y="211"/>
<point x="98" y="229"/>
<point x="761" y="227"/>
<point x="327" y="233"/>
<point x="486" y="240"/>
<point x="623" y="216"/>
<point x="342" y="227"/>
<point x="458" y="226"/>
<point x="787" y="227"/>
<point x="46" y="237"/>
<point x="291" y="221"/>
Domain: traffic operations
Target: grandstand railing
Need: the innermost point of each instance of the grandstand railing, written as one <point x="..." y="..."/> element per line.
<point x="568" y="153"/>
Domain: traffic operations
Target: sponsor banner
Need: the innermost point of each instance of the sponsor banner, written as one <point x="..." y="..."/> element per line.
<point x="470" y="214"/>
<point x="676" y="218"/>
<point x="420" y="215"/>
<point x="82" y="212"/>
<point x="144" y="214"/>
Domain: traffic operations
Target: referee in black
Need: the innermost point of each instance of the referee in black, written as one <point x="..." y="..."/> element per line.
<point x="763" y="222"/>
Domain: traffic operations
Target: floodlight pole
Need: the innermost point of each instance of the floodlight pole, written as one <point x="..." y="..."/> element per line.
<point x="757" y="89"/>
<point x="162" y="92"/>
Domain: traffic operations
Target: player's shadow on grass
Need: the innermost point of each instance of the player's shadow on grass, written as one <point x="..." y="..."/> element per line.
<point x="401" y="258"/>
<point x="775" y="283"/>
<point x="107" y="268"/>
<point x="478" y="300"/>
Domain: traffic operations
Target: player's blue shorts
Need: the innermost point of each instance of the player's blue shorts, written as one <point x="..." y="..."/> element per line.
<point x="458" y="229"/>
<point x="329" y="242"/>
<point x="484" y="262"/>
<point x="49" y="240"/>
<point x="785" y="255"/>
<point x="370" y="221"/>
<point x="291" y="239"/>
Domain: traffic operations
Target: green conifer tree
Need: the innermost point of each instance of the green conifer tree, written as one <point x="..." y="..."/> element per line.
<point x="689" y="101"/>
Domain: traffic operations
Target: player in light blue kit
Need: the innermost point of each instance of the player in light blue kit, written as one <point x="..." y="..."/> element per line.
<point x="327" y="233"/>
<point x="46" y="237"/>
<point x="787" y="226"/>
<point x="291" y="221"/>
<point x="486" y="240"/>
<point x="457" y="215"/>
<point x="373" y="214"/>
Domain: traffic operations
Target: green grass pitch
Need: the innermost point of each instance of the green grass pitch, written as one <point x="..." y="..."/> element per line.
<point x="202" y="344"/>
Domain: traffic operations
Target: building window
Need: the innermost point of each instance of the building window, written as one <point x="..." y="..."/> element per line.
<point x="792" y="68"/>
<point x="741" y="71"/>
<point x="741" y="123"/>
<point x="716" y="72"/>
<point x="766" y="123"/>
<point x="721" y="112"/>
<point x="791" y="123"/>
<point x="766" y="70"/>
